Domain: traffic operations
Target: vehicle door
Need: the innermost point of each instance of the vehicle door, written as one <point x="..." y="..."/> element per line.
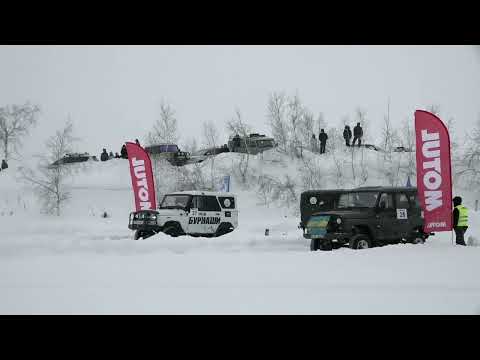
<point x="402" y="208"/>
<point x="386" y="217"/>
<point x="415" y="217"/>
<point x="194" y="218"/>
<point x="212" y="213"/>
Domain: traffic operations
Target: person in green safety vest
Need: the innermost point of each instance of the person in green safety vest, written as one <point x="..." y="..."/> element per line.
<point x="460" y="220"/>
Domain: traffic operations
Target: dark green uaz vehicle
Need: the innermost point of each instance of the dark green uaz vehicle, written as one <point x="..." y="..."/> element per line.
<point x="365" y="217"/>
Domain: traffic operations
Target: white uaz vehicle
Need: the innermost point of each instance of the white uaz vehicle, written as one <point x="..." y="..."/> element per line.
<point x="195" y="213"/>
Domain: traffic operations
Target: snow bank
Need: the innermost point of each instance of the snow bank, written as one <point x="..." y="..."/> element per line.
<point x="82" y="263"/>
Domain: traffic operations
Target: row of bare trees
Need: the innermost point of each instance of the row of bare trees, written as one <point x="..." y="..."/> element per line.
<point x="291" y="124"/>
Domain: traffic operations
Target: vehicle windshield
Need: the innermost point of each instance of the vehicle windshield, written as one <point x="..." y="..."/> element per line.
<point x="174" y="202"/>
<point x="362" y="199"/>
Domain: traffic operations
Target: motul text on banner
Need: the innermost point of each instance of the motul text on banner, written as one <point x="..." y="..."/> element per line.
<point x="142" y="177"/>
<point x="434" y="179"/>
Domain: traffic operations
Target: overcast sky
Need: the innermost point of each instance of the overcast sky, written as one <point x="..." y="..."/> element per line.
<point x="113" y="93"/>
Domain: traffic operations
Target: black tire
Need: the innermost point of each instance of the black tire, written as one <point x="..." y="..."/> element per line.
<point x="142" y="234"/>
<point x="326" y="245"/>
<point x="172" y="230"/>
<point x="224" y="228"/>
<point x="314" y="244"/>
<point x="417" y="240"/>
<point x="360" y="241"/>
<point x="138" y="235"/>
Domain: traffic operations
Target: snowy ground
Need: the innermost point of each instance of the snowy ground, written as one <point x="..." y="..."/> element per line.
<point x="81" y="263"/>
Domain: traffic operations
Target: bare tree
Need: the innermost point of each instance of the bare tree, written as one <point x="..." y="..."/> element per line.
<point x="165" y="129"/>
<point x="295" y="118"/>
<point x="469" y="168"/>
<point x="311" y="173"/>
<point x="407" y="139"/>
<point x="389" y="138"/>
<point x="15" y="123"/>
<point x="265" y="188"/>
<point x="238" y="126"/>
<point x="190" y="145"/>
<point x="321" y="123"/>
<point x="306" y="128"/>
<point x="210" y="138"/>
<point x="49" y="181"/>
<point x="277" y="108"/>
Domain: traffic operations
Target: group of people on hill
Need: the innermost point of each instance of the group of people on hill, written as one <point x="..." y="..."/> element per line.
<point x="4" y="165"/>
<point x="104" y="156"/>
<point x="347" y="135"/>
<point x="357" y="135"/>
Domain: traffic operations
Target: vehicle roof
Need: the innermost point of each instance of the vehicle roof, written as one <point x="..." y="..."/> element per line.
<point x="364" y="188"/>
<point x="199" y="192"/>
<point x="386" y="188"/>
<point x="162" y="144"/>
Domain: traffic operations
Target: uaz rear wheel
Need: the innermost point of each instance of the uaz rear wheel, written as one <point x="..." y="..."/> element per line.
<point x="360" y="241"/>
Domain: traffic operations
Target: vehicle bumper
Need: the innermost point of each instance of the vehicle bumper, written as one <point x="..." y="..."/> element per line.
<point x="145" y="225"/>
<point x="334" y="237"/>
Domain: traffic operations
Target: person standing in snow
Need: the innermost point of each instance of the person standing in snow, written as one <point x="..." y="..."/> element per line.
<point x="4" y="164"/>
<point x="357" y="135"/>
<point x="322" y="137"/>
<point x="104" y="155"/>
<point x="123" y="152"/>
<point x="460" y="220"/>
<point x="137" y="142"/>
<point x="347" y="135"/>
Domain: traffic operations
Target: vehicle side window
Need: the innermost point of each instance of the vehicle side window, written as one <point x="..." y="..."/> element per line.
<point x="209" y="203"/>
<point x="402" y="201"/>
<point x="197" y="202"/>
<point x="386" y="201"/>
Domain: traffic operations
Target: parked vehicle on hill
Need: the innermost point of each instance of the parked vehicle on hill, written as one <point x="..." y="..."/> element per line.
<point x="169" y="152"/>
<point x="368" y="216"/>
<point x="402" y="149"/>
<point x="202" y="154"/>
<point x="195" y="213"/>
<point x="74" y="158"/>
<point x="253" y="144"/>
<point x="372" y="147"/>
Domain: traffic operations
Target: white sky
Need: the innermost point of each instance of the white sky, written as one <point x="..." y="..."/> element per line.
<point x="113" y="93"/>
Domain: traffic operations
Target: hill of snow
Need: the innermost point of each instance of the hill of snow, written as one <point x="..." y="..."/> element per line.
<point x="82" y="263"/>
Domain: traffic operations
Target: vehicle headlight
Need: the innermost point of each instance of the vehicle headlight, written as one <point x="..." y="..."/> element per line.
<point x="339" y="221"/>
<point x="153" y="217"/>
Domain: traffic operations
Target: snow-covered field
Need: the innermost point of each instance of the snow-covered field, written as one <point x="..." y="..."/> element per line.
<point x="81" y="263"/>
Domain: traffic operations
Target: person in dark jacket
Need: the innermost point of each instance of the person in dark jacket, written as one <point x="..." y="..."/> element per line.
<point x="104" y="155"/>
<point x="4" y="164"/>
<point x="322" y="137"/>
<point x="357" y="134"/>
<point x="137" y="142"/>
<point x="460" y="220"/>
<point x="347" y="135"/>
<point x="117" y="156"/>
<point x="123" y="152"/>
